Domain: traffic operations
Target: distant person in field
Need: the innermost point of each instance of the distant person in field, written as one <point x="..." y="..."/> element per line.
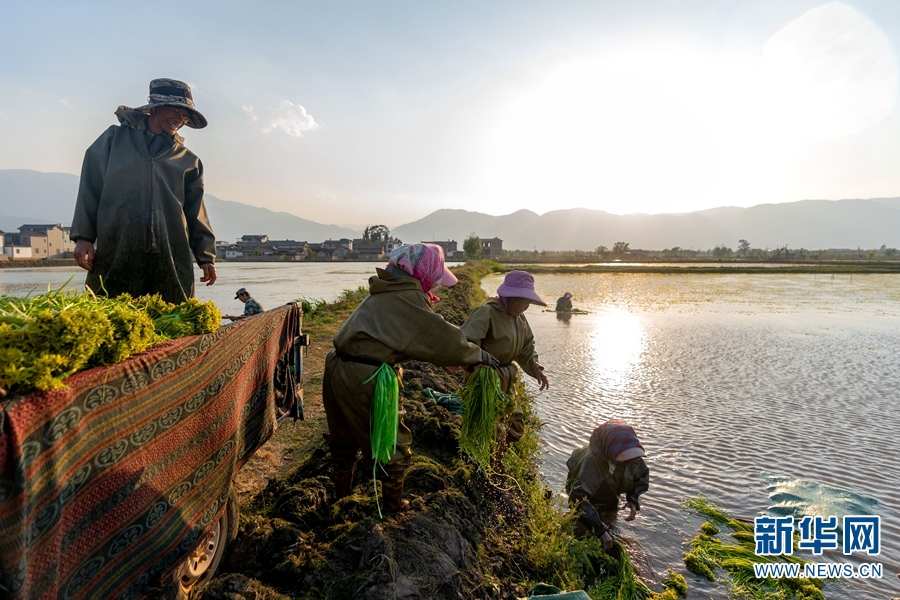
<point x="610" y="465"/>
<point x="251" y="306"/>
<point x="140" y="222"/>
<point x="564" y="304"/>
<point x="499" y="326"/>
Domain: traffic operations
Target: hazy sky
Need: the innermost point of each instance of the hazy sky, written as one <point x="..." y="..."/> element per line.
<point x="381" y="112"/>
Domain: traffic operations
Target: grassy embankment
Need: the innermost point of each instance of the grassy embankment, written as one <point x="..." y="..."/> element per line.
<point x="467" y="535"/>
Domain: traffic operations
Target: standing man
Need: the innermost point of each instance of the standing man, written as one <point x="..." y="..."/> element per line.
<point x="251" y="306"/>
<point x="140" y="222"/>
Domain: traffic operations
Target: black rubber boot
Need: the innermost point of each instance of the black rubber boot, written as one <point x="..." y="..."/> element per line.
<point x="343" y="460"/>
<point x="392" y="491"/>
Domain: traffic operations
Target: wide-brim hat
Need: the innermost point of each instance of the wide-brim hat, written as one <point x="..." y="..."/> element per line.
<point x="520" y="284"/>
<point x="630" y="454"/>
<point x="171" y="92"/>
<point x="448" y="279"/>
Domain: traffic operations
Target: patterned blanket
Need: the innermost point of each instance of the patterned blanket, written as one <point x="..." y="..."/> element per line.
<point x="106" y="485"/>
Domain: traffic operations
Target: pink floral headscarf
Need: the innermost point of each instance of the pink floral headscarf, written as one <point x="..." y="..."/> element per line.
<point x="425" y="262"/>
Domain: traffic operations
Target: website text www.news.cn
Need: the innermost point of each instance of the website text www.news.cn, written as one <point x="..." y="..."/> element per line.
<point x="774" y="536"/>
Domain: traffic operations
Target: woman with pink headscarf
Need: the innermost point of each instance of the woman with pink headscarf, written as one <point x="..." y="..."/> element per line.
<point x="395" y="323"/>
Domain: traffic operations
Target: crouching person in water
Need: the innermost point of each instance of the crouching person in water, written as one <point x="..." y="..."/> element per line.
<point x="499" y="326"/>
<point x="609" y="465"/>
<point x="395" y="323"/>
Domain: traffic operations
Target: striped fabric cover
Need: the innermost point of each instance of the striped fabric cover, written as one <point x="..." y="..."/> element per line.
<point x="106" y="485"/>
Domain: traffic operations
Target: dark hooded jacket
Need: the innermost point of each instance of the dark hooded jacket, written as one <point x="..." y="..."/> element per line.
<point x="507" y="337"/>
<point x="594" y="484"/>
<point x="395" y="323"/>
<point x="145" y="212"/>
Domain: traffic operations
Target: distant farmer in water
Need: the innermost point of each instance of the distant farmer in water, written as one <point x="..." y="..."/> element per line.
<point x="251" y="306"/>
<point x="499" y="326"/>
<point x="395" y="323"/>
<point x="564" y="304"/>
<point x="611" y="464"/>
<point x="140" y="222"/>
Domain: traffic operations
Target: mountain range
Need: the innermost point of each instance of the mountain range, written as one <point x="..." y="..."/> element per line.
<point x="35" y="197"/>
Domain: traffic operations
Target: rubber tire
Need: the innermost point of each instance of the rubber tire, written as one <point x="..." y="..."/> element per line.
<point x="228" y="523"/>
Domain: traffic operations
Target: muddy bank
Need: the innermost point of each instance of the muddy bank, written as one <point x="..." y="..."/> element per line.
<point x="467" y="535"/>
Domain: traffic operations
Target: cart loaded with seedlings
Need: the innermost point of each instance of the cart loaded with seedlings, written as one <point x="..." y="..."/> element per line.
<point x="122" y="424"/>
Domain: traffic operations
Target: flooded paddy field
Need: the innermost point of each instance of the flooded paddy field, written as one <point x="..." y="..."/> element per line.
<point x="771" y="391"/>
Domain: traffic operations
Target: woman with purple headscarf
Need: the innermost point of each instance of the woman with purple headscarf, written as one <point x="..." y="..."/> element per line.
<point x="611" y="464"/>
<point x="395" y="323"/>
<point x="499" y="326"/>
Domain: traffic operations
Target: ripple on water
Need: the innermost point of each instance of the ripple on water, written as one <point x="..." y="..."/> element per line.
<point x="725" y="378"/>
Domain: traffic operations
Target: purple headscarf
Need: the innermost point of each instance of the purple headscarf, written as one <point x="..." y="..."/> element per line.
<point x="612" y="438"/>
<point x="425" y="262"/>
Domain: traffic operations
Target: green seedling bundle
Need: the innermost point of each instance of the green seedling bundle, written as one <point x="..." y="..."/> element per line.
<point x="484" y="405"/>
<point x="733" y="552"/>
<point x="48" y="337"/>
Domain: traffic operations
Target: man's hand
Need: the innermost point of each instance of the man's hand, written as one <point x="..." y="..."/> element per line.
<point x="607" y="541"/>
<point x="84" y="254"/>
<point x="545" y="384"/>
<point x="209" y="273"/>
<point x="633" y="510"/>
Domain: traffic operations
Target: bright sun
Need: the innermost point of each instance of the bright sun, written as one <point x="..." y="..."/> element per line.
<point x="640" y="128"/>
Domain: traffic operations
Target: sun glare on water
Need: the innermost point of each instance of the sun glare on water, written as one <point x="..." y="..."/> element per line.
<point x="617" y="343"/>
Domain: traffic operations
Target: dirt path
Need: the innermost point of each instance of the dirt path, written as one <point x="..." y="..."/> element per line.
<point x="292" y="441"/>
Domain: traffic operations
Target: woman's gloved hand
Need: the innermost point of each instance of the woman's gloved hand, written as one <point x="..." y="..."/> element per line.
<point x="489" y="360"/>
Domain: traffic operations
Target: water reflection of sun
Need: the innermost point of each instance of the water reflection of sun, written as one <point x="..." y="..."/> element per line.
<point x="615" y="348"/>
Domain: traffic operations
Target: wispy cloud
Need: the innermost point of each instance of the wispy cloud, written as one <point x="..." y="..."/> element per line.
<point x="291" y="118"/>
<point x="65" y="103"/>
<point x="3" y="114"/>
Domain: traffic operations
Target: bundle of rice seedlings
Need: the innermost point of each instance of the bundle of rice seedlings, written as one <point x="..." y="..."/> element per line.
<point x="132" y="333"/>
<point x="736" y="555"/>
<point x="172" y="321"/>
<point x="621" y="582"/>
<point x="385" y="420"/>
<point x="484" y="406"/>
<point x="48" y="337"/>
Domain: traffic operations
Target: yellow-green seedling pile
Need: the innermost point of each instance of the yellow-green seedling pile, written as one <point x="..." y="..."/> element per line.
<point x="48" y="337"/>
<point x="734" y="552"/>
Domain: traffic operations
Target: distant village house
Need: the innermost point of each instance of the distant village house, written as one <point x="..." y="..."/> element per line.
<point x="492" y="248"/>
<point x="450" y="248"/>
<point x="37" y="241"/>
<point x="260" y="248"/>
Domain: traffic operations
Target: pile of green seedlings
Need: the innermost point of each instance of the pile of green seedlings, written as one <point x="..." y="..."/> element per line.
<point x="735" y="555"/>
<point x="485" y="405"/>
<point x="48" y="337"/>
